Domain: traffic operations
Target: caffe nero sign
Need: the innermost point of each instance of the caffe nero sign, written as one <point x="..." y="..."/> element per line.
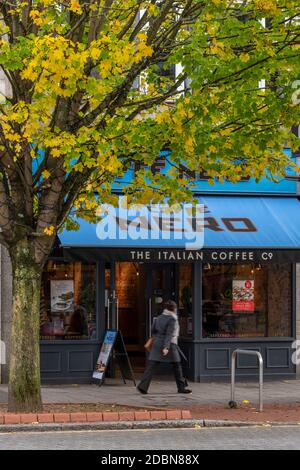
<point x="231" y="231"/>
<point x="183" y="226"/>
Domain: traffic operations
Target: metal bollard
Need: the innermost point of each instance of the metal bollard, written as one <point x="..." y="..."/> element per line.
<point x="246" y="352"/>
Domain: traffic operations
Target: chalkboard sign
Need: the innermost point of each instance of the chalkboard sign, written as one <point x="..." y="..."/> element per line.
<point x="113" y="342"/>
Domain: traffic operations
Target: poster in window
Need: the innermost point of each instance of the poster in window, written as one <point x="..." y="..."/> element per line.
<point x="62" y="296"/>
<point x="243" y="295"/>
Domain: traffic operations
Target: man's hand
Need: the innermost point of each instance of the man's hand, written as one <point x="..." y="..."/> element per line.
<point x="165" y="351"/>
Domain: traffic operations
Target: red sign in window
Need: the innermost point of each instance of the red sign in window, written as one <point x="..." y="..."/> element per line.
<point x="243" y="295"/>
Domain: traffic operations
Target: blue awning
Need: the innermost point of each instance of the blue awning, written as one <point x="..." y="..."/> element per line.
<point x="230" y="222"/>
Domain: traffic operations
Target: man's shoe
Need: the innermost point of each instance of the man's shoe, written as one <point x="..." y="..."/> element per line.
<point x="143" y="392"/>
<point x="185" y="390"/>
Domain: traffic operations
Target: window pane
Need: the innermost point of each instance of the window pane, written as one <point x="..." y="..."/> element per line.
<point x="186" y="299"/>
<point x="68" y="302"/>
<point x="247" y="301"/>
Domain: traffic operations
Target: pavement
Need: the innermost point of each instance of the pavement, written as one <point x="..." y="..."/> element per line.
<point x="163" y="393"/>
<point x="192" y="435"/>
<point x="255" y="438"/>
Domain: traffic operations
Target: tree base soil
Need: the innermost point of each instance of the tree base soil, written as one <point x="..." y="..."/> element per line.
<point x="274" y="413"/>
<point x="82" y="407"/>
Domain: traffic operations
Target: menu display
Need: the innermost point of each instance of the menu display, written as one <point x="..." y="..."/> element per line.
<point x="108" y="343"/>
<point x="62" y="296"/>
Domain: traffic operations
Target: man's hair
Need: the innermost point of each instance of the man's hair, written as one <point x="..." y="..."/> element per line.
<point x="170" y="305"/>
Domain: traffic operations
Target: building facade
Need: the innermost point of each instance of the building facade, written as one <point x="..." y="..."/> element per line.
<point x="241" y="290"/>
<point x="238" y="291"/>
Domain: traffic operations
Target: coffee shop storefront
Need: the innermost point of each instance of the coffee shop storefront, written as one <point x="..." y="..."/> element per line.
<point x="238" y="291"/>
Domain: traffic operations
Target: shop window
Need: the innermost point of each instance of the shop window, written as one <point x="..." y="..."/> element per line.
<point x="68" y="302"/>
<point x="186" y="299"/>
<point x="245" y="301"/>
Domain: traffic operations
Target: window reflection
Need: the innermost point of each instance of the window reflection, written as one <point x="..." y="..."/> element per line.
<point x="186" y="299"/>
<point x="68" y="301"/>
<point x="247" y="301"/>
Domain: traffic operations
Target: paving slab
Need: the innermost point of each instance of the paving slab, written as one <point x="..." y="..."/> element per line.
<point x="163" y="393"/>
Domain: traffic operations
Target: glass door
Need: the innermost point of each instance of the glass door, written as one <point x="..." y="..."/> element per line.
<point x="161" y="287"/>
<point x="135" y="293"/>
<point x="130" y="308"/>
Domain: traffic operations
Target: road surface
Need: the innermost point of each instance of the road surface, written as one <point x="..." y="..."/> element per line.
<point x="285" y="437"/>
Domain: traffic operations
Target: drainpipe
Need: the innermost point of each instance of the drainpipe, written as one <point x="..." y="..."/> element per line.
<point x="0" y="307"/>
<point x="5" y="91"/>
<point x="296" y="131"/>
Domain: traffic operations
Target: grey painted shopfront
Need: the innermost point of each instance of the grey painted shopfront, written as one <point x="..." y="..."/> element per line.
<point x="128" y="295"/>
<point x="237" y="291"/>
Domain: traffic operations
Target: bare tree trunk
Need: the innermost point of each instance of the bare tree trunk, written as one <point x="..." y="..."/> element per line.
<point x="24" y="371"/>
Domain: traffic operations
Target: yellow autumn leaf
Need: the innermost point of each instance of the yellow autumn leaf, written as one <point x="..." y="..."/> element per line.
<point x="35" y="15"/>
<point x="143" y="51"/>
<point x="49" y="230"/>
<point x="75" y="6"/>
<point x="162" y="117"/>
<point x="18" y="148"/>
<point x="152" y="10"/>
<point x="55" y="152"/>
<point x="266" y="6"/>
<point x="95" y="53"/>
<point x="189" y="144"/>
<point x="247" y="149"/>
<point x="244" y="57"/>
<point x="46" y="174"/>
<point x="94" y="7"/>
<point x="211" y="30"/>
<point x="105" y="68"/>
<point x="142" y="37"/>
<point x="225" y="132"/>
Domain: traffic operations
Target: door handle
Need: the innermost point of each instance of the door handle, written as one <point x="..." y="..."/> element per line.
<point x="108" y="314"/>
<point x="150" y="315"/>
<point x="117" y="307"/>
